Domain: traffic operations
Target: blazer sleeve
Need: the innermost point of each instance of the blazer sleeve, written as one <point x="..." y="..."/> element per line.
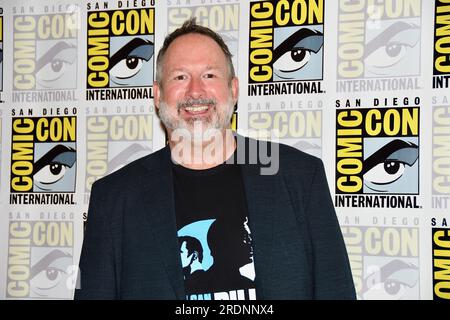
<point x="96" y="269"/>
<point x="332" y="273"/>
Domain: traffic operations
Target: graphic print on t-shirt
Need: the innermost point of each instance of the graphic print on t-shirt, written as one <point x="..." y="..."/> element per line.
<point x="217" y="260"/>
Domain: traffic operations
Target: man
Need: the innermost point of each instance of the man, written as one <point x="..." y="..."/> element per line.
<point x="191" y="252"/>
<point x="198" y="186"/>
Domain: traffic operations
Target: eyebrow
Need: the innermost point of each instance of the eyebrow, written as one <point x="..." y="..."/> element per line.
<point x="182" y="69"/>
<point x="123" y="52"/>
<point x="51" y="53"/>
<point x="47" y="260"/>
<point x="50" y="155"/>
<point x="293" y="39"/>
<point x="385" y="151"/>
<point x="387" y="34"/>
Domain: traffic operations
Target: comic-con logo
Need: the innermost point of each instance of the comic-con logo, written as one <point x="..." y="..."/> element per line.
<point x="45" y="56"/>
<point x="440" y="239"/>
<point x="301" y="129"/>
<point x="378" y="45"/>
<point x="441" y="67"/>
<point x="285" y="47"/>
<point x="377" y="152"/>
<point x="43" y="160"/>
<point x="113" y="141"/>
<point x="120" y="50"/>
<point x="40" y="260"/>
<point x="441" y="157"/>
<point x="384" y="261"/>
<point x="222" y="18"/>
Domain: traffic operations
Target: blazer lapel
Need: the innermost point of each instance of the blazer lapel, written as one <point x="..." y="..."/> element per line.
<point x="159" y="209"/>
<point x="268" y="202"/>
<point x="262" y="207"/>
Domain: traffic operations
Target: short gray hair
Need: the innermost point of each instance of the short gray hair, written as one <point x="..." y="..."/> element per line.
<point x="191" y="26"/>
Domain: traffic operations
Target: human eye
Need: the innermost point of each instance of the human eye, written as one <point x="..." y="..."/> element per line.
<point x="54" y="63"/>
<point x="52" y="166"/>
<point x="180" y="77"/>
<point x="129" y="60"/>
<point x="391" y="46"/>
<point x="295" y="52"/>
<point x="388" y="164"/>
<point x="48" y="272"/>
<point x="209" y="76"/>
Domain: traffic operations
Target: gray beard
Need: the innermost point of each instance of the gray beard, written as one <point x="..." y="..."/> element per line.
<point x="215" y="121"/>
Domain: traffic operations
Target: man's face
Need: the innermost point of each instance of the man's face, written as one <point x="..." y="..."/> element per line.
<point x="195" y="85"/>
<point x="186" y="259"/>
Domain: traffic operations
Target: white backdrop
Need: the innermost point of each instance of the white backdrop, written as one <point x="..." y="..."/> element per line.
<point x="361" y="84"/>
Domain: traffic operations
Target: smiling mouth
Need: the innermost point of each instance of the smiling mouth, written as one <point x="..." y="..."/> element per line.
<point x="198" y="109"/>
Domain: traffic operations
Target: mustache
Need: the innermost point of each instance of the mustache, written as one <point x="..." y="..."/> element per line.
<point x="196" y="102"/>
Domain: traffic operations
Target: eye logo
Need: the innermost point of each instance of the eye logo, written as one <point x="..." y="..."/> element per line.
<point x="131" y="61"/>
<point x="48" y="276"/>
<point x="395" y="280"/>
<point x="299" y="56"/>
<point x="57" y="66"/>
<point x="54" y="170"/>
<point x="392" y="167"/>
<point x="393" y="51"/>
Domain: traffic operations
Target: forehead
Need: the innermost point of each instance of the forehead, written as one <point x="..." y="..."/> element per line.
<point x="194" y="49"/>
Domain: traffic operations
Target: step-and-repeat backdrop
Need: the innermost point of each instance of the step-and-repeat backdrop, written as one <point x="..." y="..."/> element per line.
<point x="361" y="84"/>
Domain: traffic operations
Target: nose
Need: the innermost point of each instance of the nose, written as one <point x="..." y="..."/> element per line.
<point x="195" y="88"/>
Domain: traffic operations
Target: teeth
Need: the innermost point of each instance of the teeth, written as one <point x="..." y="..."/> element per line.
<point x="196" y="109"/>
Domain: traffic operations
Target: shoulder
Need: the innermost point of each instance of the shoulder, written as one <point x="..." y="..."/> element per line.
<point x="291" y="161"/>
<point x="294" y="158"/>
<point x="129" y="175"/>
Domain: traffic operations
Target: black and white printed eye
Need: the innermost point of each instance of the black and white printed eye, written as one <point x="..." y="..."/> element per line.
<point x="387" y="165"/>
<point x="390" y="47"/>
<point x="128" y="61"/>
<point x="52" y="166"/>
<point x="54" y="63"/>
<point x="295" y="52"/>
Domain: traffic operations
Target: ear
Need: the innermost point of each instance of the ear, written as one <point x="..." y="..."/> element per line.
<point x="235" y="89"/>
<point x="156" y="94"/>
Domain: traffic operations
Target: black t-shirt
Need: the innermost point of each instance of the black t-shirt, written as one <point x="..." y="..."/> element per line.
<point x="213" y="233"/>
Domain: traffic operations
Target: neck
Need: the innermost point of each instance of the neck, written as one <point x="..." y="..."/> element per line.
<point x="200" y="154"/>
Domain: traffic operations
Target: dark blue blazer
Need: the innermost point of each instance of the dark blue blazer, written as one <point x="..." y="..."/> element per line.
<point x="131" y="250"/>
